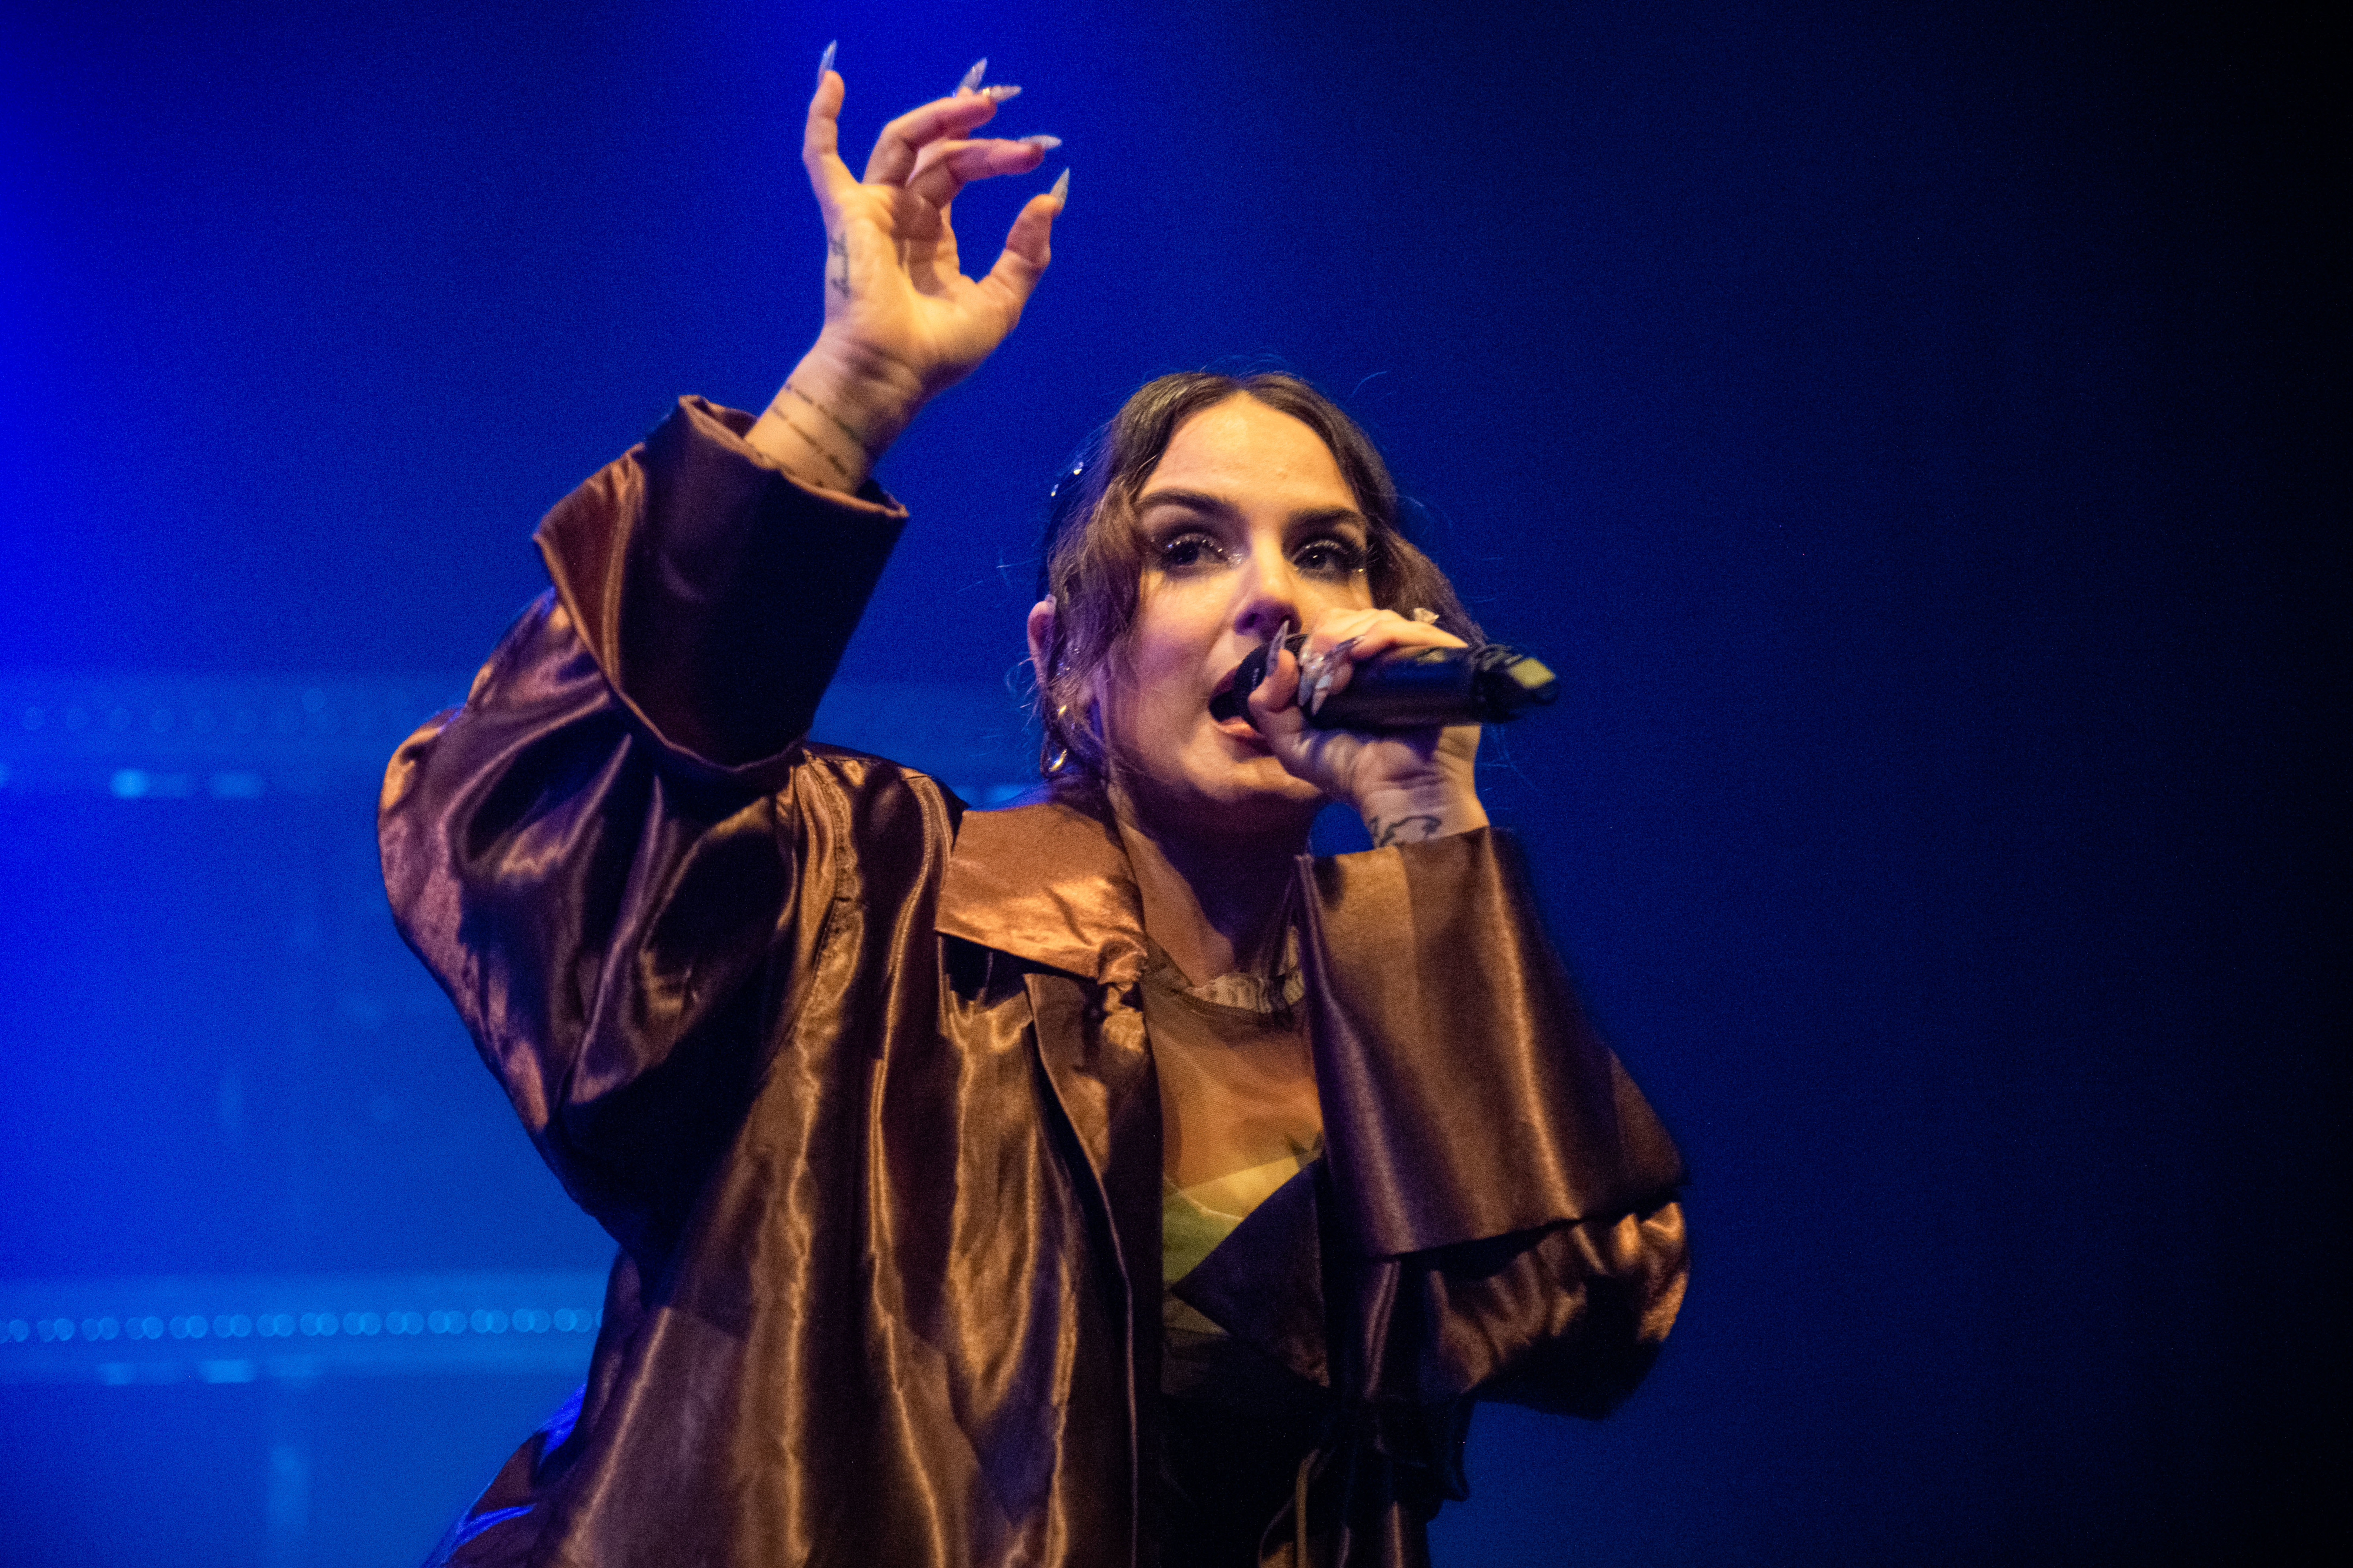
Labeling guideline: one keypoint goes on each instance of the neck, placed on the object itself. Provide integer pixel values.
(1213, 904)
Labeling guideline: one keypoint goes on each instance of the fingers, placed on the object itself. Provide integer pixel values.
(1345, 639)
(903, 139)
(1411, 631)
(1324, 671)
(944, 168)
(1371, 632)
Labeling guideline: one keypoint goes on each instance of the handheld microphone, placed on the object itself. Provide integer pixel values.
(1412, 688)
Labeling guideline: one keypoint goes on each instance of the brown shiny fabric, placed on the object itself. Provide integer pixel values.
(860, 1083)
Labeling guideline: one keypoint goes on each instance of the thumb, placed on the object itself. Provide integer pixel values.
(1275, 704)
(1028, 245)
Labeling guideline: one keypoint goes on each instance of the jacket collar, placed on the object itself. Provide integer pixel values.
(1050, 883)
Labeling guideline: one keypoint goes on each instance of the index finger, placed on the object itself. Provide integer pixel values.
(1374, 631)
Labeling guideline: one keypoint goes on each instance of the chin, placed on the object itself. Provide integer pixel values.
(1250, 799)
(1259, 800)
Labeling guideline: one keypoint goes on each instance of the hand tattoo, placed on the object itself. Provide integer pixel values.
(1402, 830)
(836, 264)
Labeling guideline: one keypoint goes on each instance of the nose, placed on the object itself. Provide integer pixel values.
(1270, 596)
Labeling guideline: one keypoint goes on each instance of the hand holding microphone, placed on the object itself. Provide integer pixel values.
(1408, 688)
(1384, 712)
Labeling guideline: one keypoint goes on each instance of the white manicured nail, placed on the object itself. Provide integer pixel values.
(1061, 191)
(971, 81)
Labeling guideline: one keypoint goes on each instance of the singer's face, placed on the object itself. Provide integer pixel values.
(1247, 523)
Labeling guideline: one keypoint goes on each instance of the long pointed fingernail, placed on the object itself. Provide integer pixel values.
(971, 81)
(1274, 647)
(1322, 689)
(824, 61)
(1046, 143)
(999, 91)
(1061, 191)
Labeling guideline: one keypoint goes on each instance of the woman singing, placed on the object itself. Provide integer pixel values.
(1094, 1182)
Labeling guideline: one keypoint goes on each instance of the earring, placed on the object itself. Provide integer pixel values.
(1054, 755)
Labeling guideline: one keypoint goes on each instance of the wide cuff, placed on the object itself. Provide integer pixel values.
(1466, 1095)
(715, 590)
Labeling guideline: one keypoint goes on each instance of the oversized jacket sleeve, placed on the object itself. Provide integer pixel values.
(600, 855)
(1496, 1214)
(1506, 1189)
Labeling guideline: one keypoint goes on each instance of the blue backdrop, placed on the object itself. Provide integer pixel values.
(1902, 424)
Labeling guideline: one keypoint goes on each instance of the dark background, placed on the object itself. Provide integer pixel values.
(1909, 426)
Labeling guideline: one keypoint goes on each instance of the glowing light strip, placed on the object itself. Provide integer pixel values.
(242, 1330)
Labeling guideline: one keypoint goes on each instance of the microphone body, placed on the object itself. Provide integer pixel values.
(1415, 688)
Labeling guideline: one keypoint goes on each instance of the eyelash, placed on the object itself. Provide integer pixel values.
(1346, 559)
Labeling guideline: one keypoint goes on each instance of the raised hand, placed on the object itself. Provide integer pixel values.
(902, 321)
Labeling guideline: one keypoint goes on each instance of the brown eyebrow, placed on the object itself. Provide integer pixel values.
(1199, 501)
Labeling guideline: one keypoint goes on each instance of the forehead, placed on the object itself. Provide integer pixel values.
(1242, 449)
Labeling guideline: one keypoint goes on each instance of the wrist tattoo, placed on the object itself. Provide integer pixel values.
(1401, 830)
(832, 418)
(814, 445)
(836, 264)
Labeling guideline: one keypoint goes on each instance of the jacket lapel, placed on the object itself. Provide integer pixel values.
(1049, 886)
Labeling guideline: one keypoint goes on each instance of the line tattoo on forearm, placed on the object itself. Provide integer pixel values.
(1402, 830)
(814, 445)
(836, 420)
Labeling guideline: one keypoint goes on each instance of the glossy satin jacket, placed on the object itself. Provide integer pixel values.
(858, 1082)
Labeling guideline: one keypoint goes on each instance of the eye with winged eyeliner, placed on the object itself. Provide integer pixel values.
(1190, 526)
(1191, 549)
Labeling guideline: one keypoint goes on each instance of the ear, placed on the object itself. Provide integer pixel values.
(1041, 636)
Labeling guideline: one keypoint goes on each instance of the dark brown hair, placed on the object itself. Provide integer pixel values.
(1092, 559)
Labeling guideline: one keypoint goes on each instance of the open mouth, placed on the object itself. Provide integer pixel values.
(1230, 701)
